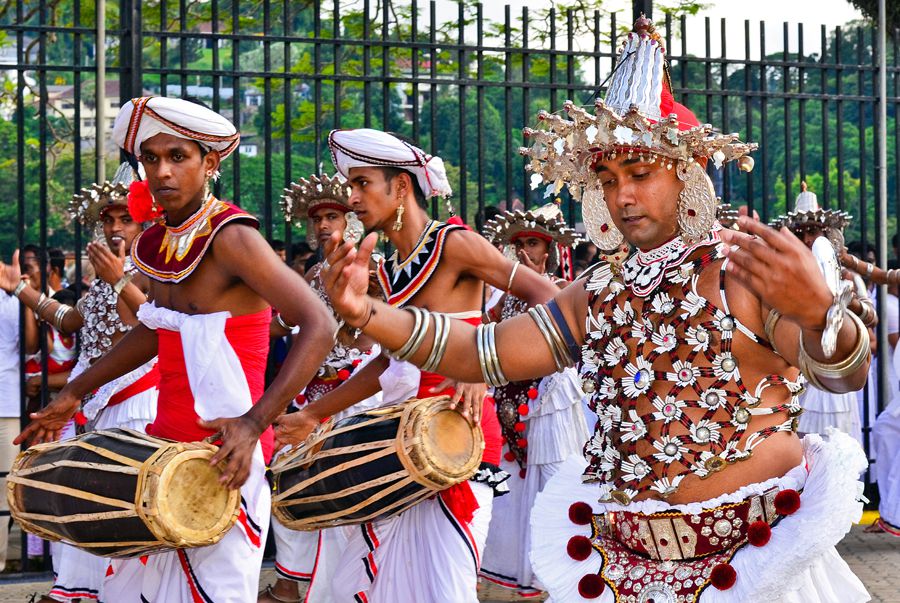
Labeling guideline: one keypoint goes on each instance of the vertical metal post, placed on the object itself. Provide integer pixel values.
(639, 7)
(881, 207)
(100, 117)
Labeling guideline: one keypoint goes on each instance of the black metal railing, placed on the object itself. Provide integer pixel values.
(461, 84)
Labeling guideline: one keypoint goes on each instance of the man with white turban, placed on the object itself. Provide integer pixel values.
(212, 280)
(431, 552)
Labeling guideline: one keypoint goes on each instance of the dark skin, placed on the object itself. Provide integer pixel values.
(770, 269)
(119, 230)
(532, 252)
(468, 261)
(240, 274)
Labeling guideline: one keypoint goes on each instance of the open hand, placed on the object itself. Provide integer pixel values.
(10, 274)
(109, 266)
(780, 270)
(294, 428)
(239, 436)
(468, 399)
(47, 423)
(347, 277)
(539, 267)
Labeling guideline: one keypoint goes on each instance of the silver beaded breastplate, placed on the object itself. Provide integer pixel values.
(101, 317)
(663, 381)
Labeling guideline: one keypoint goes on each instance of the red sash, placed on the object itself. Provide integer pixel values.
(148, 381)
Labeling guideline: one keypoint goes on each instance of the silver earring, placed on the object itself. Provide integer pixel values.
(598, 221)
(696, 202)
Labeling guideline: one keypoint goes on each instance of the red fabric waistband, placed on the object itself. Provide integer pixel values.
(148, 381)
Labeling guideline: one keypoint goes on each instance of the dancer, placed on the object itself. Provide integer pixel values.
(822, 231)
(678, 349)
(212, 277)
(322, 202)
(541, 420)
(431, 552)
(101, 319)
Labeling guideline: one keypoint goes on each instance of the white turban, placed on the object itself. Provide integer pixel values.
(145, 117)
(373, 148)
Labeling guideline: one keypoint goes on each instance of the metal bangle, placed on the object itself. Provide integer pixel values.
(558, 341)
(18, 290)
(492, 354)
(43, 303)
(769, 328)
(282, 324)
(512, 275)
(843, 368)
(538, 319)
(439, 345)
(870, 267)
(420, 329)
(60, 315)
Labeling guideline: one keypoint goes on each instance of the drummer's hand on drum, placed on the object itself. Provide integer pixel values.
(47, 423)
(292, 429)
(239, 436)
(468, 398)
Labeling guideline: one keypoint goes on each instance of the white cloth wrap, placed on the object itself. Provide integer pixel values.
(799, 564)
(100, 399)
(364, 147)
(399, 382)
(886, 445)
(556, 425)
(185, 114)
(213, 368)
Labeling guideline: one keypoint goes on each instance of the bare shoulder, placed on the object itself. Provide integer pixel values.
(471, 249)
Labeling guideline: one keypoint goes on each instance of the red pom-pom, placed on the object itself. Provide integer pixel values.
(580, 513)
(140, 202)
(300, 400)
(509, 456)
(591, 586)
(758, 533)
(357, 362)
(521, 473)
(502, 439)
(522, 443)
(519, 427)
(787, 502)
(723, 576)
(579, 548)
(343, 374)
(532, 393)
(80, 419)
(523, 410)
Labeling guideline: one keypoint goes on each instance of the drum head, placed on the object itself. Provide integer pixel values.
(193, 506)
(449, 442)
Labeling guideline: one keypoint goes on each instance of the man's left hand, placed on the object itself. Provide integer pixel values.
(239, 436)
(780, 270)
(468, 398)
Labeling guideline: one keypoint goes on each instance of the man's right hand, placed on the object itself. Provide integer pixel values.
(47, 423)
(292, 429)
(10, 274)
(347, 278)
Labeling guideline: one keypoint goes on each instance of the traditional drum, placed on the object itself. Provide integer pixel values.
(121, 493)
(375, 464)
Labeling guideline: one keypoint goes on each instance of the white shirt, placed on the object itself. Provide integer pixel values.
(9, 355)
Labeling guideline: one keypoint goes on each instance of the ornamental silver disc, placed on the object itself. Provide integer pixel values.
(657, 592)
(614, 573)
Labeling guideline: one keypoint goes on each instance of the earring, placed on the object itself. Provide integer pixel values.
(598, 221)
(398, 223)
(696, 202)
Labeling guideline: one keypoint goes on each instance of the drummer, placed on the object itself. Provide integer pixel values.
(430, 553)
(212, 278)
(322, 202)
(107, 312)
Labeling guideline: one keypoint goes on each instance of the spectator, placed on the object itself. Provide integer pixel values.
(279, 249)
(301, 254)
(9, 401)
(56, 269)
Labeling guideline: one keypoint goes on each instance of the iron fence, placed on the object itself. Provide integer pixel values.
(458, 82)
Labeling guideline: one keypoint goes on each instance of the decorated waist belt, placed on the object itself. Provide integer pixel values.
(673, 556)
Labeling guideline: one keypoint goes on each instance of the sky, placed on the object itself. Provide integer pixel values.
(812, 13)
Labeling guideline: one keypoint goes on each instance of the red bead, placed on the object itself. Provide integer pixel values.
(522, 443)
(579, 548)
(787, 502)
(604, 227)
(519, 427)
(532, 393)
(343, 374)
(523, 410)
(758, 533)
(521, 474)
(510, 456)
(357, 362)
(692, 212)
(591, 586)
(723, 576)
(580, 513)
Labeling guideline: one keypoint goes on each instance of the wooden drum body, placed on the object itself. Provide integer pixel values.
(375, 464)
(121, 493)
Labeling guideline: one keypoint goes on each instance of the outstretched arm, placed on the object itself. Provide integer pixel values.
(522, 351)
(137, 347)
(245, 254)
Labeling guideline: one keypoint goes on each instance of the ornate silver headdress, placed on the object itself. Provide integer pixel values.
(808, 215)
(87, 205)
(640, 118)
(546, 221)
(303, 197)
